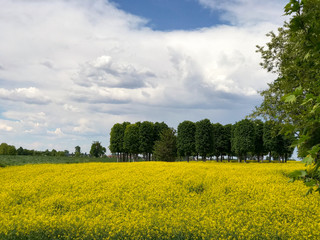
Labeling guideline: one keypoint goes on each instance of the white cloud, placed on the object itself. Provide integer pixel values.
(5, 127)
(248, 12)
(56, 132)
(27, 95)
(81, 66)
(103, 71)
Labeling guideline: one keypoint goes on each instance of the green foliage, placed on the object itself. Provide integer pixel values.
(6, 149)
(116, 137)
(259, 149)
(166, 148)
(97, 150)
(227, 133)
(158, 128)
(294, 54)
(146, 137)
(131, 139)
(243, 140)
(77, 151)
(220, 140)
(203, 138)
(186, 138)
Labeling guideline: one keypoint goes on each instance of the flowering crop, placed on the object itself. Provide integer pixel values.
(155, 200)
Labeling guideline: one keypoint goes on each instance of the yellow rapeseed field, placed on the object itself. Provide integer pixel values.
(155, 200)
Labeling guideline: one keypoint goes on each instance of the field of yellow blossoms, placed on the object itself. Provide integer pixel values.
(155, 200)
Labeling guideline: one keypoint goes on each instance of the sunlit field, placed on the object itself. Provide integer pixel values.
(155, 200)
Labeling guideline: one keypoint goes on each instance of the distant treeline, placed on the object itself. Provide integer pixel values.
(6, 149)
(246, 139)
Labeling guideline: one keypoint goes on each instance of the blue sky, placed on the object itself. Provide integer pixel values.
(70, 70)
(168, 15)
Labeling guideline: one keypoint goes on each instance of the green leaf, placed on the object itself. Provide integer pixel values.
(315, 107)
(298, 174)
(307, 56)
(311, 183)
(315, 149)
(298, 91)
(306, 101)
(290, 99)
(308, 160)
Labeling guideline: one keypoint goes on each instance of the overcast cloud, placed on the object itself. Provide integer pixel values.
(71, 69)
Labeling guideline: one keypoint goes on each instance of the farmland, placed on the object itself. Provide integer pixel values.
(156, 200)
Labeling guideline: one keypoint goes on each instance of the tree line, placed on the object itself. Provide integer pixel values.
(6, 149)
(96, 150)
(246, 139)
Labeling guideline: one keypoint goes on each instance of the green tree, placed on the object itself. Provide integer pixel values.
(220, 141)
(6, 149)
(97, 150)
(283, 146)
(116, 139)
(53, 153)
(259, 149)
(203, 138)
(77, 151)
(243, 138)
(131, 140)
(158, 128)
(165, 149)
(186, 138)
(146, 132)
(293, 97)
(20, 151)
(269, 141)
(227, 133)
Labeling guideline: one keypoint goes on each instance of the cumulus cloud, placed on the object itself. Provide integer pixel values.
(103, 71)
(57, 132)
(27, 95)
(81, 66)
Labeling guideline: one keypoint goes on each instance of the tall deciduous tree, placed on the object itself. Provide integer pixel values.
(131, 140)
(77, 151)
(220, 141)
(165, 149)
(227, 133)
(116, 139)
(97, 150)
(269, 140)
(203, 138)
(186, 138)
(146, 132)
(294, 54)
(259, 149)
(243, 138)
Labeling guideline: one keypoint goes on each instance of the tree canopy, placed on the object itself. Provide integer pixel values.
(165, 149)
(97, 150)
(292, 99)
(186, 138)
(203, 138)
